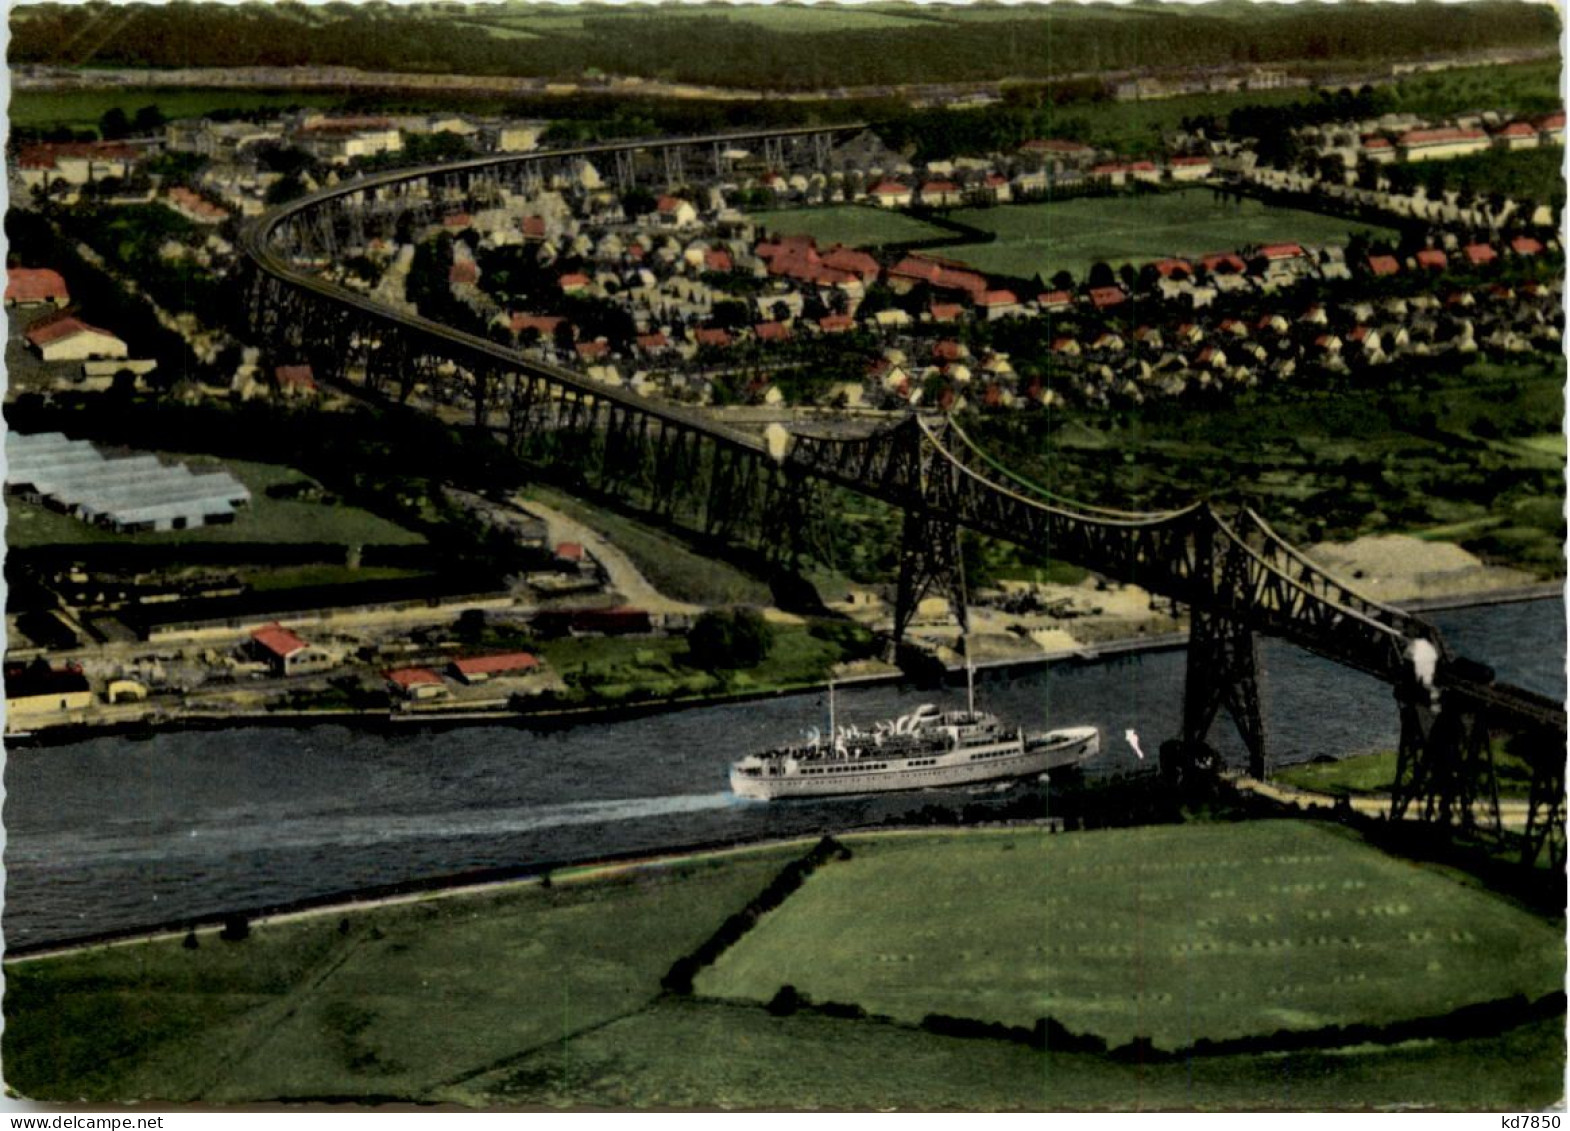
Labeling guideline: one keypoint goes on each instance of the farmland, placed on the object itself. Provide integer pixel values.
(850, 224)
(550, 994)
(1172, 933)
(1071, 235)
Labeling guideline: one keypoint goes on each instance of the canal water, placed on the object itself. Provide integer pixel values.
(114, 834)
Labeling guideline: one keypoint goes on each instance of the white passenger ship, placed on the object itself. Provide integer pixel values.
(926, 749)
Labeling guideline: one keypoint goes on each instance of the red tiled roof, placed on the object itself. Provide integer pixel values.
(534, 226)
(1554, 121)
(849, 259)
(278, 640)
(1443, 136)
(1224, 259)
(889, 188)
(45, 155)
(946, 311)
(710, 337)
(569, 282)
(938, 186)
(1189, 162)
(490, 665)
(1526, 245)
(1432, 257)
(407, 678)
(947, 350)
(1518, 129)
(457, 220)
(772, 332)
(546, 324)
(1103, 297)
(1056, 298)
(1281, 251)
(836, 323)
(997, 298)
(34, 284)
(1384, 265)
(294, 377)
(717, 259)
(57, 329)
(669, 204)
(1166, 268)
(652, 342)
(570, 551)
(464, 271)
(1376, 143)
(591, 350)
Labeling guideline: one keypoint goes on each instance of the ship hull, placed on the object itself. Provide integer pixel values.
(1001, 762)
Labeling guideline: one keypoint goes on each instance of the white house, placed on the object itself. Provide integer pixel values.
(69, 339)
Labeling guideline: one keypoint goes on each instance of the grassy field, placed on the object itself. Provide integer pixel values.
(1468, 457)
(1071, 235)
(1375, 774)
(854, 225)
(1175, 933)
(404, 1000)
(703, 1055)
(265, 520)
(81, 109)
(612, 671)
(550, 995)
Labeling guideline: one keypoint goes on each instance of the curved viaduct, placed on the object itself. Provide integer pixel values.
(1237, 576)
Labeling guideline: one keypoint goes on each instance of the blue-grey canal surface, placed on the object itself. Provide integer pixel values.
(112, 834)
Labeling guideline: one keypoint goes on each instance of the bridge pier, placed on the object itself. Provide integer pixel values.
(929, 562)
(1223, 670)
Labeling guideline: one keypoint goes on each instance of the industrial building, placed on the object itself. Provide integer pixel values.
(130, 494)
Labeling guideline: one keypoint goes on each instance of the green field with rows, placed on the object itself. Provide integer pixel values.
(1174, 933)
(1071, 235)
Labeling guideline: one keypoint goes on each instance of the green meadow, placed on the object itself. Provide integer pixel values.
(1170, 932)
(1071, 235)
(550, 994)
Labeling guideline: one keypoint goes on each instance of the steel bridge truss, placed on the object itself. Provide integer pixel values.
(1238, 577)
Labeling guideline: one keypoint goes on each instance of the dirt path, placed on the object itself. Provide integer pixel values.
(1512, 813)
(624, 577)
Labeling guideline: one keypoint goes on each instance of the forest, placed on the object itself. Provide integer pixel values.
(716, 46)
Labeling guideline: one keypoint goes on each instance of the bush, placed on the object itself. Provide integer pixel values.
(236, 928)
(738, 638)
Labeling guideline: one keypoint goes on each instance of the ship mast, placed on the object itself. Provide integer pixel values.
(833, 734)
(970, 681)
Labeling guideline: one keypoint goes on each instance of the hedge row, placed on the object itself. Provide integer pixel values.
(678, 979)
(1483, 1019)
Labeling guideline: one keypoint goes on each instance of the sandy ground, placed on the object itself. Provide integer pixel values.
(1512, 813)
(1397, 567)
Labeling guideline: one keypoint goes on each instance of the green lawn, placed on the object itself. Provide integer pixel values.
(1375, 774)
(1175, 933)
(1071, 235)
(855, 225)
(405, 999)
(706, 1055)
(613, 669)
(265, 520)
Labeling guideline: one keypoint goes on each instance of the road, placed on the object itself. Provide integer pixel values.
(624, 577)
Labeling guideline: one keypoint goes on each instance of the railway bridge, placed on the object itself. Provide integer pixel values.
(1239, 579)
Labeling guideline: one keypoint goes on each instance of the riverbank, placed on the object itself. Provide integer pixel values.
(864, 673)
(354, 1002)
